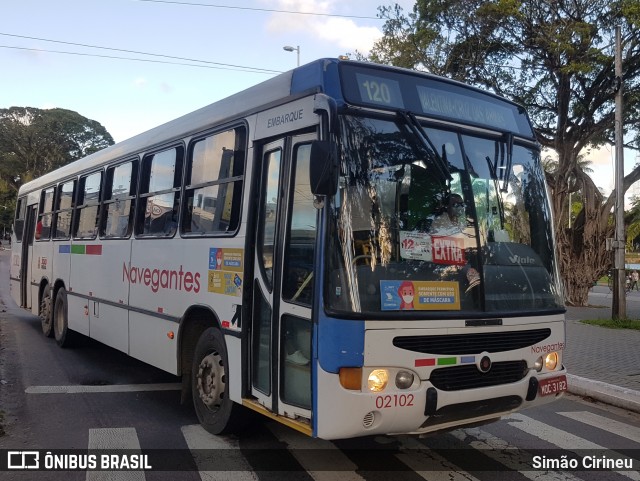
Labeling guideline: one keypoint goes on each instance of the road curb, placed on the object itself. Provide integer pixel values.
(607, 393)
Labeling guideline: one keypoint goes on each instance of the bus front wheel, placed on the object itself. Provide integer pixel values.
(216, 412)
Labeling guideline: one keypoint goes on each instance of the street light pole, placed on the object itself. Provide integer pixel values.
(619, 304)
(296, 49)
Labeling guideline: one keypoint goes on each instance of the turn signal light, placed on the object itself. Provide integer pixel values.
(351, 378)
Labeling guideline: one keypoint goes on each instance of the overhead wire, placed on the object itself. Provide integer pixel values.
(218, 67)
(182, 60)
(194, 4)
(207, 63)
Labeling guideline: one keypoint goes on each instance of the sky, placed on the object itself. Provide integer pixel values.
(202, 51)
(129, 97)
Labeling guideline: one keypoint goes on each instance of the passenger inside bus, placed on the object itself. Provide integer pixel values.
(451, 217)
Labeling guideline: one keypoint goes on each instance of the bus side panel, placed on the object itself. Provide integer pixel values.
(61, 263)
(84, 280)
(159, 287)
(108, 313)
(150, 341)
(41, 268)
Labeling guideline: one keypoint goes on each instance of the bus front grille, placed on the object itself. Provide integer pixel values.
(472, 343)
(457, 378)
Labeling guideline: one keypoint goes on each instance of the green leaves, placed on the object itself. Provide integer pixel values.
(36, 141)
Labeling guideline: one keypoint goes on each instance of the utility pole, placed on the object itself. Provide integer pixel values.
(619, 304)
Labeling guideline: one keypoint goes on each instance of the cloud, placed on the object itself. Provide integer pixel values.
(345, 33)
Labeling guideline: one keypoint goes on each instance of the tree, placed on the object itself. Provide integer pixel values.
(557, 59)
(36, 141)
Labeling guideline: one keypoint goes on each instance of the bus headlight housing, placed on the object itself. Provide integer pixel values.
(378, 379)
(549, 361)
(404, 379)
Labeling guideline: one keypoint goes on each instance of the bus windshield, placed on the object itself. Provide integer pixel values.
(438, 220)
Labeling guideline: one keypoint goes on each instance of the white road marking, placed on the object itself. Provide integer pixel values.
(417, 455)
(114, 438)
(204, 447)
(502, 451)
(301, 447)
(563, 439)
(616, 427)
(98, 389)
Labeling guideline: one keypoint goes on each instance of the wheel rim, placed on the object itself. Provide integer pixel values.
(211, 381)
(45, 309)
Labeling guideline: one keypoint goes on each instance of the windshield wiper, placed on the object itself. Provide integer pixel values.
(507, 173)
(441, 166)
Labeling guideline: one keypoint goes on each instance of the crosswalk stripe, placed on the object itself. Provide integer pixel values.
(301, 447)
(498, 450)
(561, 439)
(114, 438)
(610, 425)
(418, 455)
(204, 447)
(77, 389)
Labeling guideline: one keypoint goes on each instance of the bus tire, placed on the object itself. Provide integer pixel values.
(216, 412)
(64, 336)
(46, 312)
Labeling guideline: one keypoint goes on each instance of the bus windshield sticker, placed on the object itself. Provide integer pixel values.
(419, 295)
(448, 250)
(415, 245)
(420, 246)
(225, 271)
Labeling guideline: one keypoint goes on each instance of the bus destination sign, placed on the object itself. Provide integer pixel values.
(433, 97)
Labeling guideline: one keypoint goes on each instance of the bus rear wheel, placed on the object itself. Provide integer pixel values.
(46, 318)
(216, 412)
(64, 336)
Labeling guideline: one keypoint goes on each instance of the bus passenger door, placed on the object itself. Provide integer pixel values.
(27, 251)
(283, 280)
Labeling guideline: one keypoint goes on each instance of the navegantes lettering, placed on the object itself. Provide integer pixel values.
(156, 279)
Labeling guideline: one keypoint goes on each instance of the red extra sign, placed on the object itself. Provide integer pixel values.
(448, 250)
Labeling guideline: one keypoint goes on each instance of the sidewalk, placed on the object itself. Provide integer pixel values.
(604, 364)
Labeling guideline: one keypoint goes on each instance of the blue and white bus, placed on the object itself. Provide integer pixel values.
(348, 248)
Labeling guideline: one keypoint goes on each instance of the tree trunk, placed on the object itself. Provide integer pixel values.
(582, 254)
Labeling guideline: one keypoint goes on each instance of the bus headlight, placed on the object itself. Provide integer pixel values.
(378, 379)
(538, 364)
(551, 361)
(404, 379)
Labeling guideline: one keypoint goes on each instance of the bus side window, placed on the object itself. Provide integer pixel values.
(45, 216)
(118, 206)
(21, 214)
(64, 210)
(86, 224)
(214, 183)
(160, 193)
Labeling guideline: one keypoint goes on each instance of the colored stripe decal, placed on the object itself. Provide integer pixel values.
(447, 361)
(467, 360)
(89, 249)
(94, 250)
(425, 362)
(77, 249)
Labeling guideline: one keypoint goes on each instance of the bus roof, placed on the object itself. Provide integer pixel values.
(317, 76)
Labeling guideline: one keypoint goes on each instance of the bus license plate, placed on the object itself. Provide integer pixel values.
(555, 385)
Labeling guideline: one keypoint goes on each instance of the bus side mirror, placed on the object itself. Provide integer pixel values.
(323, 168)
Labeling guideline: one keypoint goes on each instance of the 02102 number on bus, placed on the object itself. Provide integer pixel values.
(394, 401)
